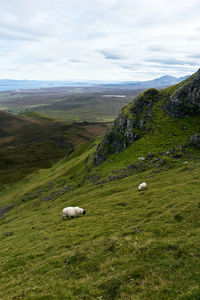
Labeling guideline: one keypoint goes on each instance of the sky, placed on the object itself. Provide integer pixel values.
(108, 40)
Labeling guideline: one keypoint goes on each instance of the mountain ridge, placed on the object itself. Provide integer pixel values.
(136, 119)
(11, 84)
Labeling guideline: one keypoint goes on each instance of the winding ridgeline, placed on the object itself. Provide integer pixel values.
(137, 118)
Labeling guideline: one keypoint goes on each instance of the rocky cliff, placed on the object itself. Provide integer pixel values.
(185, 100)
(136, 119)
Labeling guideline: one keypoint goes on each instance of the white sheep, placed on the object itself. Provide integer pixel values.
(142, 186)
(73, 212)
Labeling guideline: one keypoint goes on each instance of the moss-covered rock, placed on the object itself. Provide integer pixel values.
(133, 122)
(185, 100)
(195, 140)
(137, 118)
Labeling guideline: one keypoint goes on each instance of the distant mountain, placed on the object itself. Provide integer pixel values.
(9, 84)
(160, 82)
(164, 81)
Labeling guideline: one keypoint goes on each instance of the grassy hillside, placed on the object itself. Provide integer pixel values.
(27, 145)
(130, 244)
(33, 115)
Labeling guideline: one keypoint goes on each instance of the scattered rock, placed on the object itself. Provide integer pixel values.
(149, 155)
(3, 210)
(132, 166)
(8, 234)
(195, 140)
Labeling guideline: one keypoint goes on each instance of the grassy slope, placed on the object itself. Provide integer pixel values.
(27, 145)
(130, 245)
(32, 115)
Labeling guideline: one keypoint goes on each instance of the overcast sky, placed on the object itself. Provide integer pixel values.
(98, 39)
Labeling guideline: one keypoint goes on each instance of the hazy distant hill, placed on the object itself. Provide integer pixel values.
(163, 81)
(9, 84)
(160, 82)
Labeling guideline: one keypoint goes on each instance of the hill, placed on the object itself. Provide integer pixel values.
(130, 244)
(10, 84)
(139, 117)
(38, 142)
(9, 124)
(161, 82)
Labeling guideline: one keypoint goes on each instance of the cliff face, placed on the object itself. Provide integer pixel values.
(134, 121)
(185, 100)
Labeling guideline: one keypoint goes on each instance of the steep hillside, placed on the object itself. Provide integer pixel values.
(138, 118)
(130, 244)
(9, 124)
(185, 99)
(26, 145)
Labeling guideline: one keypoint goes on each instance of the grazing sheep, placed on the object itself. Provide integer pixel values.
(141, 158)
(73, 212)
(142, 186)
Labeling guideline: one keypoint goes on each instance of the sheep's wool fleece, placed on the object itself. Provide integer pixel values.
(79, 210)
(72, 211)
(142, 186)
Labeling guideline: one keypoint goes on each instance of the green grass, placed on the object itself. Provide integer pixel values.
(28, 146)
(130, 244)
(166, 133)
(33, 115)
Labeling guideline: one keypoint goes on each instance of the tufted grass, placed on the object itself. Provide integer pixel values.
(129, 245)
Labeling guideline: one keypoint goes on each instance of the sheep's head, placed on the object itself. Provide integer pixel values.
(84, 212)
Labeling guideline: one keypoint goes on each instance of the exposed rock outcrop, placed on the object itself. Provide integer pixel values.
(137, 118)
(185, 101)
(134, 121)
(195, 140)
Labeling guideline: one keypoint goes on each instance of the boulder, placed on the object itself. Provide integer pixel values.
(195, 140)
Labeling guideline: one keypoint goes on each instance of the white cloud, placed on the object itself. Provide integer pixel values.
(101, 39)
